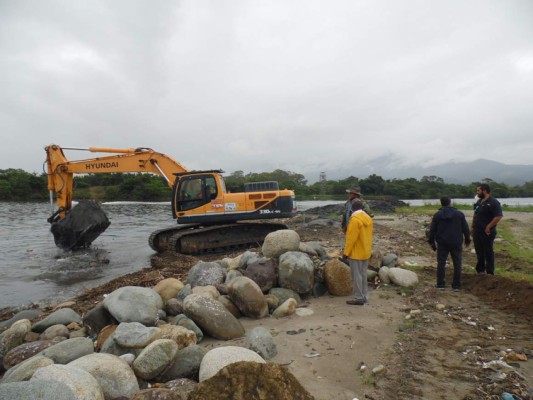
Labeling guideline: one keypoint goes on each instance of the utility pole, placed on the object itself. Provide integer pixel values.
(323, 183)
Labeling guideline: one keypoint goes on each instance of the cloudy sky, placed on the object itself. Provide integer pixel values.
(301, 85)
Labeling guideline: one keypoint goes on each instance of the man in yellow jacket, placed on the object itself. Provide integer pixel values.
(358, 250)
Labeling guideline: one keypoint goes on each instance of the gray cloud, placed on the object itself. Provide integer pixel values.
(300, 85)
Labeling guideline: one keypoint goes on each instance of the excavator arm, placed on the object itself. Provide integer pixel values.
(60, 170)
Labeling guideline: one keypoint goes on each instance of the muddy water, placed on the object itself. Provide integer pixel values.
(34, 270)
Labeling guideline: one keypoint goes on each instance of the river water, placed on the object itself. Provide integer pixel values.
(34, 270)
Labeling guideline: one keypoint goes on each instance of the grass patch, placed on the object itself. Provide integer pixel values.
(516, 253)
(368, 379)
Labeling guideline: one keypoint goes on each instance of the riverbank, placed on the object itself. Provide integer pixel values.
(431, 344)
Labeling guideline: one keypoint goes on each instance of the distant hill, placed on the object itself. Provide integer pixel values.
(452, 172)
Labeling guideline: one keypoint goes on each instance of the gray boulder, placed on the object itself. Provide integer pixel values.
(42, 390)
(69, 350)
(186, 364)
(134, 335)
(113, 374)
(263, 272)
(384, 274)
(63, 316)
(25, 370)
(403, 277)
(212, 317)
(82, 383)
(155, 358)
(206, 273)
(279, 242)
(186, 322)
(296, 272)
(218, 358)
(24, 314)
(283, 294)
(260, 340)
(134, 304)
(389, 260)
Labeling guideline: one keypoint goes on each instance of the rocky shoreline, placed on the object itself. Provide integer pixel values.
(144, 342)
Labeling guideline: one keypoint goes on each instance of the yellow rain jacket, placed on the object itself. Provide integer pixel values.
(359, 236)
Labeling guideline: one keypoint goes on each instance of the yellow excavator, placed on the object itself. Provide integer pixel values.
(209, 218)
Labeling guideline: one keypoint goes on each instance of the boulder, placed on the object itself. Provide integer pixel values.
(42, 390)
(26, 350)
(14, 336)
(155, 358)
(263, 272)
(248, 297)
(403, 277)
(113, 374)
(134, 335)
(338, 278)
(69, 350)
(285, 309)
(82, 383)
(296, 272)
(134, 304)
(241, 377)
(260, 340)
(384, 274)
(64, 316)
(168, 288)
(24, 314)
(186, 364)
(212, 317)
(25, 370)
(218, 358)
(279, 242)
(283, 294)
(206, 273)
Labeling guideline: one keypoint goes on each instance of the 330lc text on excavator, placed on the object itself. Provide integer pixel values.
(209, 218)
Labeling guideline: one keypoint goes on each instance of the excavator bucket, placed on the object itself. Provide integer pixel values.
(81, 226)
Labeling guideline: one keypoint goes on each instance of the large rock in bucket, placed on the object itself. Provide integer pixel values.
(81, 226)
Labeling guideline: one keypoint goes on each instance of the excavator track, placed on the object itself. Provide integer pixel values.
(196, 239)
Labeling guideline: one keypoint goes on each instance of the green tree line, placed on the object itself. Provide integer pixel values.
(18, 185)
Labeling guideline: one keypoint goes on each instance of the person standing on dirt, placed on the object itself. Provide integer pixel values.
(353, 193)
(448, 228)
(358, 250)
(487, 214)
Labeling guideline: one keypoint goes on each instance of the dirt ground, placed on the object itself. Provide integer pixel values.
(431, 344)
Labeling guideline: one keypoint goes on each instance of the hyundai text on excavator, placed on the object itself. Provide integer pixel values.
(209, 218)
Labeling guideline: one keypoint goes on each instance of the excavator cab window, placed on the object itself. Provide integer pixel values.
(196, 191)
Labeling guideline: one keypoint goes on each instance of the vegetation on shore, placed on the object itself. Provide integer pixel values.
(18, 185)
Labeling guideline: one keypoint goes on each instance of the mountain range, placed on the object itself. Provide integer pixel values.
(451, 172)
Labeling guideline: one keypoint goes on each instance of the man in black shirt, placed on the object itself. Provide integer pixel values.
(448, 228)
(487, 214)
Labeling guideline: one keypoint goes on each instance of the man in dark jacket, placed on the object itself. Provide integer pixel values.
(448, 227)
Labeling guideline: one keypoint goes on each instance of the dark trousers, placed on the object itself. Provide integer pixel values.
(457, 259)
(484, 245)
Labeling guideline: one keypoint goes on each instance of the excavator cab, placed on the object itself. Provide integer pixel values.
(192, 191)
